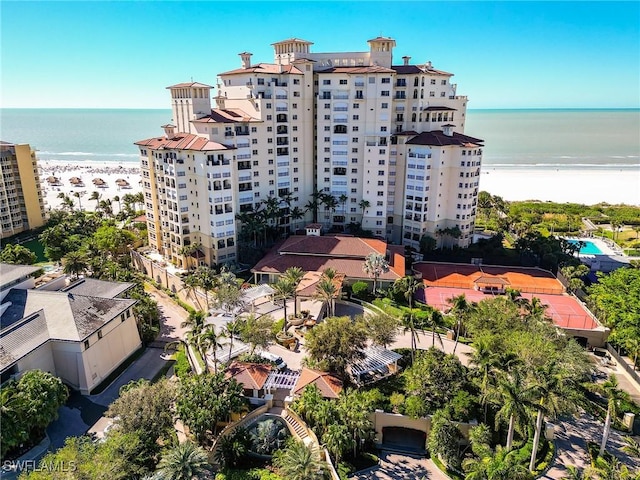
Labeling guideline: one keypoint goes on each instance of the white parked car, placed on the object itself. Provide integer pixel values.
(280, 363)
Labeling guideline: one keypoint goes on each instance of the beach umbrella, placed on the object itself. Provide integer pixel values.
(75, 180)
(98, 181)
(52, 180)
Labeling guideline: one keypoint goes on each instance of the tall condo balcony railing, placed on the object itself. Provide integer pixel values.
(281, 97)
(281, 109)
(341, 96)
(340, 109)
(359, 84)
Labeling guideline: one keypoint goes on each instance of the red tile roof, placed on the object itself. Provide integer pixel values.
(181, 141)
(251, 376)
(266, 68)
(190, 84)
(457, 275)
(334, 245)
(344, 254)
(329, 386)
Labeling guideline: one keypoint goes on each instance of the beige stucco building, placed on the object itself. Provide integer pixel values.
(21, 201)
(80, 331)
(385, 140)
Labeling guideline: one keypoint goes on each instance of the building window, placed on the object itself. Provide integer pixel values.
(343, 82)
(326, 82)
(86, 344)
(384, 93)
(386, 80)
(99, 334)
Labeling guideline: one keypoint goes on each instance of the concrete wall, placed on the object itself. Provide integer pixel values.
(382, 420)
(39, 359)
(119, 340)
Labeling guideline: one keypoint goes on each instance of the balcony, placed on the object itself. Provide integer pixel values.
(281, 97)
(359, 96)
(244, 131)
(359, 84)
(340, 109)
(325, 96)
(281, 109)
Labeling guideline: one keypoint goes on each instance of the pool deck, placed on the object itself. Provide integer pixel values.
(607, 247)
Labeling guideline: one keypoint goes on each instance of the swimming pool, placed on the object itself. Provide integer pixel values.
(589, 248)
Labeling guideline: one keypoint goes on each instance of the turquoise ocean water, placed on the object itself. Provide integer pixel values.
(567, 139)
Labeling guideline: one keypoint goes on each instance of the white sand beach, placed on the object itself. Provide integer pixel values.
(88, 172)
(588, 186)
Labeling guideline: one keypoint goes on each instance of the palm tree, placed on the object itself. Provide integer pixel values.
(299, 462)
(553, 388)
(364, 204)
(190, 284)
(75, 263)
(296, 213)
(409, 326)
(434, 320)
(95, 196)
(207, 280)
(614, 397)
(185, 461)
(283, 289)
(337, 440)
(514, 397)
(460, 308)
(408, 286)
(375, 265)
(294, 274)
(327, 292)
(486, 361)
(195, 321)
(231, 330)
(79, 195)
(631, 447)
(313, 204)
(209, 339)
(268, 437)
(330, 204)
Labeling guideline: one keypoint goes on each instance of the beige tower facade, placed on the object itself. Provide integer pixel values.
(21, 202)
(386, 141)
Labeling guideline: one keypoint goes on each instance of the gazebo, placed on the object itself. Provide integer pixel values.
(377, 363)
(491, 284)
(250, 295)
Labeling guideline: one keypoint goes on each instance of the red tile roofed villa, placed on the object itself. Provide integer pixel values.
(343, 253)
(252, 376)
(329, 386)
(479, 282)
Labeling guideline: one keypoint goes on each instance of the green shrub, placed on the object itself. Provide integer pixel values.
(360, 289)
(182, 367)
(277, 326)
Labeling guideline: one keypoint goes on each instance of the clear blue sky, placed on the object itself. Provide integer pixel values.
(503, 54)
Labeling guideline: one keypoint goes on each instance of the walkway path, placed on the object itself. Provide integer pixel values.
(395, 466)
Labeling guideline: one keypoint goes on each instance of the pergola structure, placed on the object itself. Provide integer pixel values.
(377, 363)
(250, 295)
(281, 380)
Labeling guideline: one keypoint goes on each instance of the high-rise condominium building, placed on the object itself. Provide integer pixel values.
(385, 141)
(21, 201)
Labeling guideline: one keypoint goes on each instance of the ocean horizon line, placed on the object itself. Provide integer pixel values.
(482, 109)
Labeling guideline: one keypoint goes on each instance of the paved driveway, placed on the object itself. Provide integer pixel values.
(572, 435)
(395, 466)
